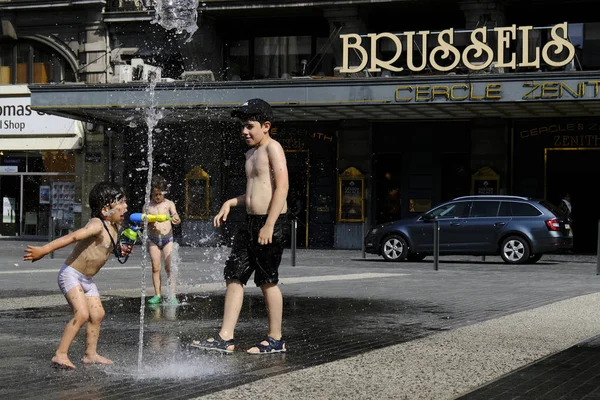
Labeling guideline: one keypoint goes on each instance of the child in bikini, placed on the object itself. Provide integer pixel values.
(160, 238)
(94, 244)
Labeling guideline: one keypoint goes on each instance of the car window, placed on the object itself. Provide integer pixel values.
(505, 209)
(524, 210)
(484, 209)
(452, 210)
(553, 209)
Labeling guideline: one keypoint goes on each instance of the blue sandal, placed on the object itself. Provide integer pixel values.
(215, 344)
(273, 346)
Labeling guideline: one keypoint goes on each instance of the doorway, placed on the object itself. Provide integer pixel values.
(298, 195)
(10, 194)
(574, 171)
(388, 184)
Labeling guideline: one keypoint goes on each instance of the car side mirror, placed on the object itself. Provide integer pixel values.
(428, 217)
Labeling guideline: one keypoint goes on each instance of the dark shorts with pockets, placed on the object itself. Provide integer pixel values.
(248, 257)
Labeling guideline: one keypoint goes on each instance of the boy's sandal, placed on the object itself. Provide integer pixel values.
(155, 300)
(215, 344)
(273, 346)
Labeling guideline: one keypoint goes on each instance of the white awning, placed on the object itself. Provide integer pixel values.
(22, 128)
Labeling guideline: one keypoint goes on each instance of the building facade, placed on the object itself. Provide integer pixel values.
(384, 109)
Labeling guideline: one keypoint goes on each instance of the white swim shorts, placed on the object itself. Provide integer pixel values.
(69, 277)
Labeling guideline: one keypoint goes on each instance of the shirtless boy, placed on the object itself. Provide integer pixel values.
(94, 243)
(160, 237)
(257, 248)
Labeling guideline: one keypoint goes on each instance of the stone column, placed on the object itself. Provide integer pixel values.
(344, 20)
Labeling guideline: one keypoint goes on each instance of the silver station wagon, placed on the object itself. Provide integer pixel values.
(519, 229)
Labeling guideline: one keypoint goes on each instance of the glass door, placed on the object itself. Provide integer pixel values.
(10, 195)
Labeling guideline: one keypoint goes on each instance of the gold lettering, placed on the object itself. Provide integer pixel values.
(550, 90)
(570, 90)
(557, 141)
(560, 42)
(442, 91)
(356, 46)
(543, 129)
(524, 134)
(462, 86)
(400, 88)
(409, 51)
(594, 85)
(422, 93)
(479, 47)
(493, 91)
(529, 95)
(445, 39)
(504, 43)
(472, 96)
(375, 62)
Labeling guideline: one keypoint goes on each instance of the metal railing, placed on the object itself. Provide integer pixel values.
(129, 5)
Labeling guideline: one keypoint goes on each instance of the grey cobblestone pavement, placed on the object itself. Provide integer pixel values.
(356, 328)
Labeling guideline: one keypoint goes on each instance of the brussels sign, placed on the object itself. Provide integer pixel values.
(478, 55)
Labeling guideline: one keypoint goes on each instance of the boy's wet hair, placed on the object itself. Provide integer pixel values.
(104, 194)
(160, 183)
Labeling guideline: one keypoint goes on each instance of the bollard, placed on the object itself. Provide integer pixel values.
(598, 251)
(51, 233)
(436, 244)
(293, 240)
(364, 250)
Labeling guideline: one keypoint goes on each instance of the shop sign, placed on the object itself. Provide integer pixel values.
(17, 118)
(9, 168)
(351, 194)
(478, 55)
(498, 91)
(562, 134)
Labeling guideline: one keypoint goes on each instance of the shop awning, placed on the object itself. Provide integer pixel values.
(22, 128)
(441, 97)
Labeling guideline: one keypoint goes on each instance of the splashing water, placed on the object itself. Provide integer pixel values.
(171, 281)
(152, 116)
(180, 15)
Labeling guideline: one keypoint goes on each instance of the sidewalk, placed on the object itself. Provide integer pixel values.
(356, 328)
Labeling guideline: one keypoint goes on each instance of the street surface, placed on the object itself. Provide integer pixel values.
(356, 328)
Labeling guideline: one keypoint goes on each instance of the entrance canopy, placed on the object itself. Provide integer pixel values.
(515, 95)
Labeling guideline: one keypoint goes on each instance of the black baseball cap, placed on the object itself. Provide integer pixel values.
(253, 107)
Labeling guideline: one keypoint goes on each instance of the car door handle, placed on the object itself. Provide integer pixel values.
(454, 223)
(497, 224)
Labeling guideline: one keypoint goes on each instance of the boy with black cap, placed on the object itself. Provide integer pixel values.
(258, 247)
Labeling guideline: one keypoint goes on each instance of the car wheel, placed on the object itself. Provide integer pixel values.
(394, 248)
(534, 258)
(515, 250)
(415, 257)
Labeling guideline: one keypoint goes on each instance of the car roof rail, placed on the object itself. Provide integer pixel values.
(493, 197)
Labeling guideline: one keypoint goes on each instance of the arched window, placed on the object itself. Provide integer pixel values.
(25, 61)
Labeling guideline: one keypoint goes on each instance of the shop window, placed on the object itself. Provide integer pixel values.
(55, 161)
(6, 62)
(33, 63)
(276, 57)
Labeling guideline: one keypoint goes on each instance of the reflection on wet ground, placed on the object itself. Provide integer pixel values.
(317, 330)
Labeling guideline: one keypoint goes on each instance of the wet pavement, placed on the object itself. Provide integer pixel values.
(346, 327)
(356, 328)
